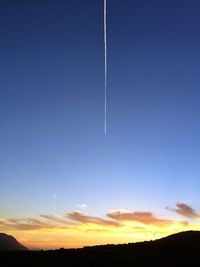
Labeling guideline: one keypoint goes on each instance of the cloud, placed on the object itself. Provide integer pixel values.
(42, 222)
(185, 210)
(56, 219)
(116, 220)
(147, 218)
(24, 224)
(85, 219)
(82, 206)
(73, 219)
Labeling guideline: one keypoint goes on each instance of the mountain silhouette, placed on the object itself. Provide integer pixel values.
(9, 243)
(180, 249)
(181, 239)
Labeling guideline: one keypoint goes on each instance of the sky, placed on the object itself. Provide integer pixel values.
(64, 183)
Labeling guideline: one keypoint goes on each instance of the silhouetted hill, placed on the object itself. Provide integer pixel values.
(9, 243)
(182, 238)
(180, 249)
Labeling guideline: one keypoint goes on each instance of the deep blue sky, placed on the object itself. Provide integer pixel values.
(52, 102)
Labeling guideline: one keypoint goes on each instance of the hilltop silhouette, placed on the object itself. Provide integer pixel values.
(180, 249)
(9, 243)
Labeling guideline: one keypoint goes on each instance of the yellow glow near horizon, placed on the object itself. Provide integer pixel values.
(91, 234)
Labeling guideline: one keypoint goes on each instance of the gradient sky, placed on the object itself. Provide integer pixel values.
(54, 155)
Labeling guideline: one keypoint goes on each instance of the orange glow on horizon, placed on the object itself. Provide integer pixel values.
(77, 229)
(91, 234)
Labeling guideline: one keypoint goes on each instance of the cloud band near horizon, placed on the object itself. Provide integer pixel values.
(113, 219)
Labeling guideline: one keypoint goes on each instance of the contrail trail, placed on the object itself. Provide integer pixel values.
(105, 58)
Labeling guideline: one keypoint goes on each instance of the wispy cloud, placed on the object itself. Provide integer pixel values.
(185, 210)
(147, 218)
(56, 219)
(24, 224)
(82, 206)
(86, 219)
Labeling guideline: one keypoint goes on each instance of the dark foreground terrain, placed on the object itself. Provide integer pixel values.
(181, 249)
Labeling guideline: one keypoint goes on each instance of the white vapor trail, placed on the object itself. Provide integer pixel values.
(105, 54)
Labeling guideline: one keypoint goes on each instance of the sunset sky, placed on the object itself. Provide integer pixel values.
(63, 182)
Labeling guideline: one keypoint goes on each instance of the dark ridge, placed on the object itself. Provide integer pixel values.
(181, 238)
(9, 243)
(180, 249)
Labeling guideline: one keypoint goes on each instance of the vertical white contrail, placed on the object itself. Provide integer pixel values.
(105, 53)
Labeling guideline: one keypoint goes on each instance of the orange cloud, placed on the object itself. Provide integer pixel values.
(56, 219)
(147, 218)
(85, 219)
(185, 210)
(24, 224)
(47, 222)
